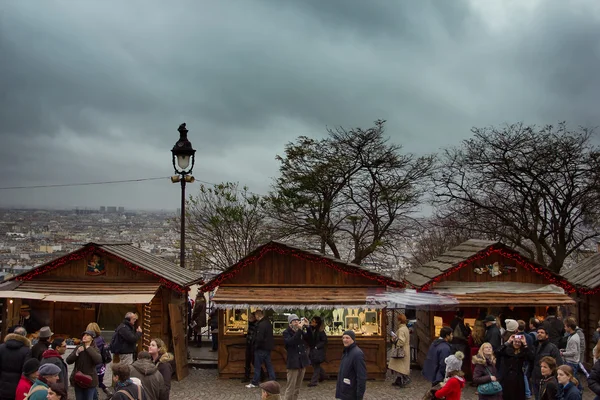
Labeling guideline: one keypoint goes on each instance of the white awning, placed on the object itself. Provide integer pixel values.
(17, 294)
(409, 298)
(102, 298)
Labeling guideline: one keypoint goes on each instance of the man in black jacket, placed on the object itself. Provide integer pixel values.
(263, 344)
(250, 347)
(492, 333)
(352, 376)
(15, 350)
(124, 341)
(594, 379)
(554, 327)
(544, 348)
(297, 358)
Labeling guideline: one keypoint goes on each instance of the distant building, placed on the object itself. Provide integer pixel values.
(102, 209)
(111, 209)
(121, 209)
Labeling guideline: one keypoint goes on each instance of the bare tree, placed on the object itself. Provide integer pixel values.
(225, 223)
(352, 190)
(537, 189)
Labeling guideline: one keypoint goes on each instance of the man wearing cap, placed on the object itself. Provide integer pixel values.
(297, 358)
(30, 374)
(270, 390)
(14, 352)
(263, 345)
(28, 321)
(47, 374)
(352, 376)
(492, 333)
(43, 343)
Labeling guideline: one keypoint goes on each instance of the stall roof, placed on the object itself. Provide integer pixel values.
(131, 256)
(469, 251)
(585, 274)
(289, 249)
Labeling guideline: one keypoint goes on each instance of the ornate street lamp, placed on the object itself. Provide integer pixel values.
(183, 156)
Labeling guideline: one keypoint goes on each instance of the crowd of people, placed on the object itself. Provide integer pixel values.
(516, 361)
(40, 371)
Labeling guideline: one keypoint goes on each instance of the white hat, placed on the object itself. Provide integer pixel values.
(511, 325)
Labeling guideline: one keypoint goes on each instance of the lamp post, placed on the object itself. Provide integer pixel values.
(183, 156)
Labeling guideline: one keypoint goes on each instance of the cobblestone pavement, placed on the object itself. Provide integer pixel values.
(204, 384)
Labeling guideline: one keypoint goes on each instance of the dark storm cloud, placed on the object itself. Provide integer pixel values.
(95, 90)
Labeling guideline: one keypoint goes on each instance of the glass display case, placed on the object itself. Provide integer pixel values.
(363, 321)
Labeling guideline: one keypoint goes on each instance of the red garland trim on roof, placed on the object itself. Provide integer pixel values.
(520, 260)
(583, 290)
(87, 251)
(348, 270)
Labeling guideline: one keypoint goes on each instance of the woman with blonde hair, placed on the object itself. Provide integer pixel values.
(100, 368)
(162, 359)
(567, 384)
(401, 366)
(485, 370)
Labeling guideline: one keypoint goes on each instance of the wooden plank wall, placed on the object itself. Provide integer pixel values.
(424, 326)
(115, 272)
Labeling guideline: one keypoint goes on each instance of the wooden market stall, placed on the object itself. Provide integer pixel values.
(485, 277)
(282, 279)
(100, 283)
(586, 276)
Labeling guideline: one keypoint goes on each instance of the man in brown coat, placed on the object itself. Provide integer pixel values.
(152, 380)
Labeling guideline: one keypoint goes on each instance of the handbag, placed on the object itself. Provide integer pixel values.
(397, 352)
(82, 380)
(489, 388)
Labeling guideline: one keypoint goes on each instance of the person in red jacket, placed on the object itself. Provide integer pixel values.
(452, 389)
(30, 374)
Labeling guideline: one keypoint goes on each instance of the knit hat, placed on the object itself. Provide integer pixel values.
(351, 334)
(31, 366)
(490, 318)
(271, 387)
(454, 362)
(45, 332)
(511, 325)
(292, 317)
(48, 370)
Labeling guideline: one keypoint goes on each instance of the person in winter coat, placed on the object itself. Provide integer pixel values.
(199, 317)
(317, 341)
(100, 368)
(512, 356)
(152, 380)
(582, 346)
(452, 389)
(401, 366)
(543, 349)
(352, 375)
(47, 375)
(553, 326)
(15, 350)
(124, 341)
(263, 345)
(123, 383)
(30, 374)
(434, 368)
(485, 370)
(270, 390)
(85, 357)
(594, 380)
(567, 384)
(54, 355)
(548, 383)
(249, 356)
(297, 358)
(492, 332)
(43, 343)
(163, 360)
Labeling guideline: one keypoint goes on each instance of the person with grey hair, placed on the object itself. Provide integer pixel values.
(124, 340)
(14, 352)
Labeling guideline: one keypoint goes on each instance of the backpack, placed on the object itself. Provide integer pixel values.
(105, 353)
(115, 343)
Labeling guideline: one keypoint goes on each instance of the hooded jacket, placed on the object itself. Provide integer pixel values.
(15, 350)
(165, 367)
(579, 332)
(151, 378)
(452, 389)
(53, 357)
(434, 368)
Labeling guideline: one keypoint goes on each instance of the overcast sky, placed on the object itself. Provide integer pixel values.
(95, 90)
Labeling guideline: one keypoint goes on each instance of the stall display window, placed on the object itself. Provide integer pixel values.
(363, 321)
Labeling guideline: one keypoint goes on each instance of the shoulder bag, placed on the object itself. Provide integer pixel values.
(126, 393)
(489, 388)
(397, 351)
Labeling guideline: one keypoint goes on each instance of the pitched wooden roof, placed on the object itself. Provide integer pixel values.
(286, 248)
(450, 259)
(127, 254)
(585, 274)
(469, 251)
